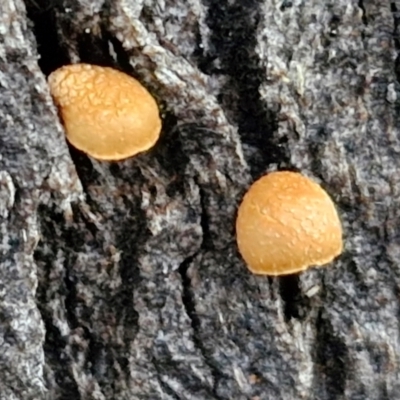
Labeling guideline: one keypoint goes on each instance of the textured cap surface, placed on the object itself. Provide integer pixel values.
(286, 223)
(106, 113)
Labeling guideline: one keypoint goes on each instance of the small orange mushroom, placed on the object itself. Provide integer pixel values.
(106, 113)
(287, 223)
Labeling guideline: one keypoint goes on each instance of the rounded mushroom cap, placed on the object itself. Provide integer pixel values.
(286, 223)
(106, 113)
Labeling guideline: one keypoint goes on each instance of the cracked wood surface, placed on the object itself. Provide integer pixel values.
(122, 280)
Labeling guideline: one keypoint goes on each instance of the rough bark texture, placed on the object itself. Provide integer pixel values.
(123, 280)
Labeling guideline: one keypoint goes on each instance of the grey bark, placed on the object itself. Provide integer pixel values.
(123, 280)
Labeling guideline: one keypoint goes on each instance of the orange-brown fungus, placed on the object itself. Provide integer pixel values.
(106, 113)
(287, 223)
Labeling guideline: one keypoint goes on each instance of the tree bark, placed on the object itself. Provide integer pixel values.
(123, 280)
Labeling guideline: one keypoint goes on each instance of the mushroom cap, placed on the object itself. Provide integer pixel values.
(106, 113)
(287, 223)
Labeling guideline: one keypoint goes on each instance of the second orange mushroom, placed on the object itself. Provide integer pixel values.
(287, 223)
